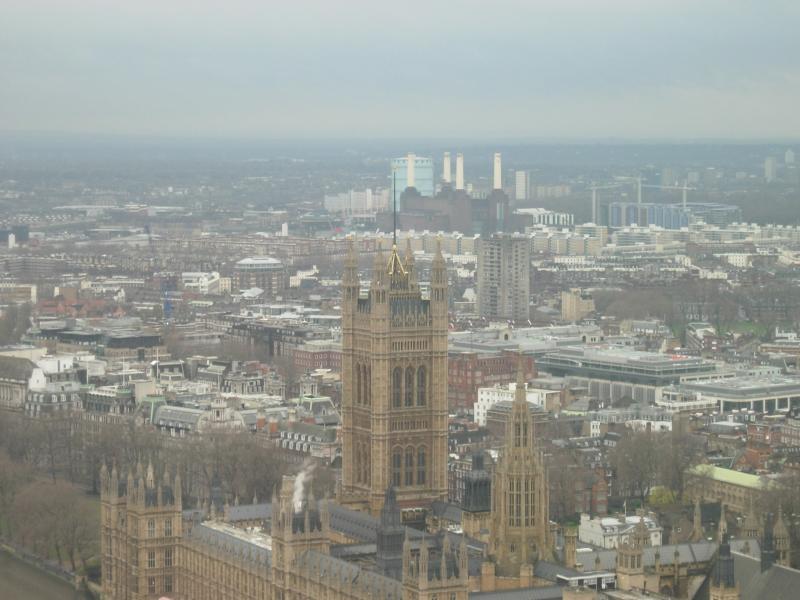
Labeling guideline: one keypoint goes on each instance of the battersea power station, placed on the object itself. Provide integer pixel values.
(389, 532)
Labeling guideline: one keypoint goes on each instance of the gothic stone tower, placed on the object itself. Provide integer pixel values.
(394, 380)
(521, 527)
(297, 526)
(140, 533)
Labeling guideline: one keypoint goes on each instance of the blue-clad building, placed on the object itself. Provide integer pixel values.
(413, 171)
(671, 216)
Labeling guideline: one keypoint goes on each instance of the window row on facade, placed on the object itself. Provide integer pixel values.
(409, 466)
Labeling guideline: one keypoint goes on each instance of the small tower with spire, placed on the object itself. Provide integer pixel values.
(723, 584)
(476, 508)
(299, 523)
(391, 533)
(782, 540)
(433, 568)
(630, 557)
(698, 534)
(520, 533)
(140, 514)
(751, 528)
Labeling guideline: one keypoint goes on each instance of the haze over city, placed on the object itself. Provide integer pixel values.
(360, 69)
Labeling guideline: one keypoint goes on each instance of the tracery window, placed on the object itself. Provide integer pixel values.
(409, 386)
(422, 390)
(397, 386)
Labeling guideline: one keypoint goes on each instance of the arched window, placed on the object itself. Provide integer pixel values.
(397, 465)
(368, 385)
(397, 386)
(357, 460)
(422, 389)
(409, 478)
(358, 384)
(409, 386)
(421, 466)
(364, 384)
(365, 462)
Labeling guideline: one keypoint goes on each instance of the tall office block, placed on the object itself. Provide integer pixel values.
(770, 169)
(504, 277)
(521, 185)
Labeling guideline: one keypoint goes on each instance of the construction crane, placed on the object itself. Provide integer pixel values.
(624, 180)
(684, 188)
(609, 186)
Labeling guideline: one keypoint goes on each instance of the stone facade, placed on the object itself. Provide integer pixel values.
(394, 384)
(520, 532)
(151, 548)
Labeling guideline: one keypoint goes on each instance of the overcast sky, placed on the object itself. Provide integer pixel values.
(403, 68)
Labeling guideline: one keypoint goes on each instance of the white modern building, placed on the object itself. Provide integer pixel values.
(489, 396)
(610, 532)
(760, 393)
(358, 201)
(675, 399)
(521, 185)
(770, 169)
(202, 283)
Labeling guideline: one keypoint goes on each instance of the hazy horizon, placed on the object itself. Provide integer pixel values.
(509, 70)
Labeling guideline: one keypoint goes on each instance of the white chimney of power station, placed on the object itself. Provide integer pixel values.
(459, 171)
(497, 179)
(446, 168)
(410, 169)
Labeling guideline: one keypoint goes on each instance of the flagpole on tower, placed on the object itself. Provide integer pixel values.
(394, 207)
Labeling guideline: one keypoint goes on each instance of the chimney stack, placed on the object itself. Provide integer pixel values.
(446, 174)
(459, 171)
(410, 170)
(497, 179)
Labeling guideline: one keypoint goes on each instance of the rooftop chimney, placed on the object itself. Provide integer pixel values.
(459, 171)
(410, 170)
(446, 174)
(497, 179)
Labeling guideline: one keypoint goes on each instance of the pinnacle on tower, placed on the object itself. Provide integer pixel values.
(520, 392)
(409, 259)
(697, 525)
(722, 576)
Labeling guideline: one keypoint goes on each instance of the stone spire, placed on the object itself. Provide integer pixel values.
(722, 574)
(443, 558)
(697, 524)
(722, 529)
(751, 528)
(378, 264)
(410, 264)
(780, 533)
(767, 545)
(423, 559)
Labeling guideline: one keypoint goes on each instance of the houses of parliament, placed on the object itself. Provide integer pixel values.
(359, 545)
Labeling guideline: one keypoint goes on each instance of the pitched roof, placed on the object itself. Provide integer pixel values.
(226, 538)
(776, 583)
(729, 476)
